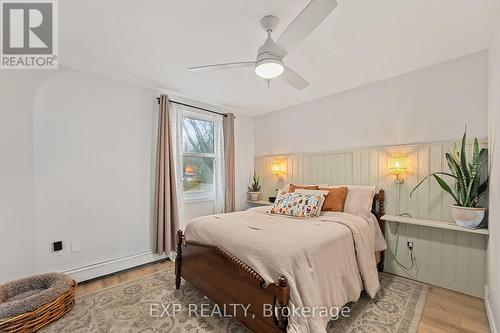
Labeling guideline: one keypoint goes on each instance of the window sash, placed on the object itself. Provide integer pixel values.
(199, 195)
(208, 155)
(201, 117)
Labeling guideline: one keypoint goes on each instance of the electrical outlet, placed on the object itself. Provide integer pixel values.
(75, 246)
(57, 248)
(409, 245)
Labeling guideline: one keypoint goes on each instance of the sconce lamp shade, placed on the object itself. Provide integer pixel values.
(398, 165)
(276, 168)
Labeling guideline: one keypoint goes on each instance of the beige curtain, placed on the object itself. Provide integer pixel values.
(167, 215)
(229, 163)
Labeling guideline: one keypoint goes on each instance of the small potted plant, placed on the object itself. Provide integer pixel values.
(254, 188)
(467, 189)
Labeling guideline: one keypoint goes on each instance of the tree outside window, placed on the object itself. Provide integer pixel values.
(198, 156)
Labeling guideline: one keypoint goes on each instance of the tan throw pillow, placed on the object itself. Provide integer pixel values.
(293, 187)
(335, 199)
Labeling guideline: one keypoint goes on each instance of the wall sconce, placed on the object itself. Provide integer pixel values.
(277, 170)
(397, 167)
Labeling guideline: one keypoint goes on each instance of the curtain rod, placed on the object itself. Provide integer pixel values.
(196, 107)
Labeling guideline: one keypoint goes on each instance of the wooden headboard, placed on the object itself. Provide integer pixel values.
(378, 209)
(378, 205)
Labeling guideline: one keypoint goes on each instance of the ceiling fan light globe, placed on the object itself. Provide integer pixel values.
(269, 69)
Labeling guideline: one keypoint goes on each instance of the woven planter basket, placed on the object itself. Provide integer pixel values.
(41, 317)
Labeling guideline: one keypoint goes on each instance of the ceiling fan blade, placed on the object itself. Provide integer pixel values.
(231, 65)
(302, 26)
(294, 79)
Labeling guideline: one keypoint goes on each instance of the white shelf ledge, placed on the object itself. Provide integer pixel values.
(433, 224)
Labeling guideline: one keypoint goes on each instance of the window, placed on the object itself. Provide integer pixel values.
(200, 148)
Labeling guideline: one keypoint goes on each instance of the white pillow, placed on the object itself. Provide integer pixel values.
(359, 199)
(313, 192)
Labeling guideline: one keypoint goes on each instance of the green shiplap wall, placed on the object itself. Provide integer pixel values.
(446, 258)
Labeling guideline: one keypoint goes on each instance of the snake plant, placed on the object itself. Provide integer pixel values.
(255, 185)
(467, 189)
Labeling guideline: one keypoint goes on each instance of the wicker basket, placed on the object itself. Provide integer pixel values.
(41, 317)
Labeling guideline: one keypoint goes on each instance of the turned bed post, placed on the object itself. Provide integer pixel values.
(282, 299)
(381, 212)
(178, 259)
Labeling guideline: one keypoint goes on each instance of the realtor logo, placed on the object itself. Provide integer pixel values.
(29, 34)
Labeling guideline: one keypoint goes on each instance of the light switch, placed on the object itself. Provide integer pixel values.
(75, 246)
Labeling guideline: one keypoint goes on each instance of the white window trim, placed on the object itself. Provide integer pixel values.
(199, 154)
(199, 196)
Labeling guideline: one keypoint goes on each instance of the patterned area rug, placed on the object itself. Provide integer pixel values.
(146, 305)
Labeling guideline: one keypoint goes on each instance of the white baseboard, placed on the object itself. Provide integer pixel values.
(489, 311)
(92, 271)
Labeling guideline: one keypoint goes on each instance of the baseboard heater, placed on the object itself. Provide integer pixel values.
(92, 271)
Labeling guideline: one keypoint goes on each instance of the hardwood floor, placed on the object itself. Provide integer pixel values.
(452, 312)
(445, 311)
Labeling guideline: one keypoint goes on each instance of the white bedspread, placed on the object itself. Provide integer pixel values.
(328, 260)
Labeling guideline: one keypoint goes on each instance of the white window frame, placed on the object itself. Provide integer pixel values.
(198, 196)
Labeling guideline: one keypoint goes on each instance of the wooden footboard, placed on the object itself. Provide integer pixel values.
(226, 280)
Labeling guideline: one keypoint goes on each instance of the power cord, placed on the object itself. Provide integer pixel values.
(413, 258)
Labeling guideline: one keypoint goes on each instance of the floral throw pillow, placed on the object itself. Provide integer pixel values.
(297, 204)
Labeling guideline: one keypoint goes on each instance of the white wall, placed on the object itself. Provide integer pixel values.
(493, 297)
(76, 164)
(93, 145)
(17, 229)
(428, 105)
(244, 142)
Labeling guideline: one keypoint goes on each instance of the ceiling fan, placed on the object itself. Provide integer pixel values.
(269, 63)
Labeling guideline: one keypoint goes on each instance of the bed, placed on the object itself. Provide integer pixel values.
(265, 261)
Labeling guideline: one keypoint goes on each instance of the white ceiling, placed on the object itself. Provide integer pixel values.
(362, 41)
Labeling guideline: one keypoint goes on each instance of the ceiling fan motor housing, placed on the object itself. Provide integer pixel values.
(265, 52)
(268, 65)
